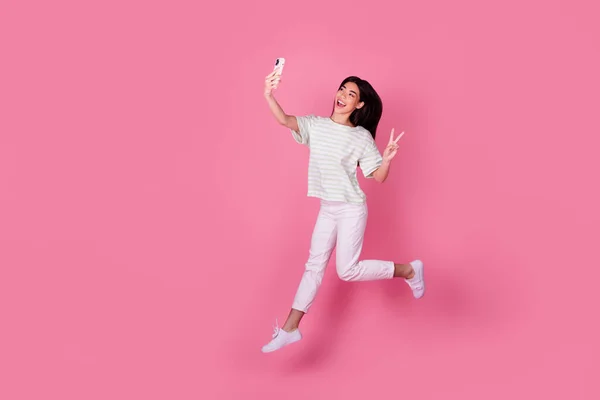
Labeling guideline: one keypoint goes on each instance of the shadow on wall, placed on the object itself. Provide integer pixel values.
(465, 292)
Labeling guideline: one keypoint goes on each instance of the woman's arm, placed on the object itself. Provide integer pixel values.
(381, 173)
(289, 121)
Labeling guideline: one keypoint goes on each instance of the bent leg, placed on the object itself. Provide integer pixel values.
(352, 223)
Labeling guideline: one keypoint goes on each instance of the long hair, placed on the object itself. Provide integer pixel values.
(369, 114)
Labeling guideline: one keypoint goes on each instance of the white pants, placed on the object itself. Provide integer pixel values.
(340, 224)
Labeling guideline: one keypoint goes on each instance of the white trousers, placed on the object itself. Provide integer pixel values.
(342, 225)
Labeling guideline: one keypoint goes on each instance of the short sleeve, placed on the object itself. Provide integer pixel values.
(370, 160)
(305, 125)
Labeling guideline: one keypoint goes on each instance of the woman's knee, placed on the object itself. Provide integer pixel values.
(346, 272)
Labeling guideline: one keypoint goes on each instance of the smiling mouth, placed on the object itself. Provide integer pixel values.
(339, 103)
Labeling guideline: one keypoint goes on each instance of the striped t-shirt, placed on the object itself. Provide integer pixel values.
(335, 151)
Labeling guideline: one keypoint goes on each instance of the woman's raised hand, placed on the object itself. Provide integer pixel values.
(392, 147)
(272, 81)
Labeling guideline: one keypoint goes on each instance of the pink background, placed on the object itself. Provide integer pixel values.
(154, 223)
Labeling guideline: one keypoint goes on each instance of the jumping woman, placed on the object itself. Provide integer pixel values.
(338, 145)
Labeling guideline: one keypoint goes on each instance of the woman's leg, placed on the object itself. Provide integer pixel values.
(403, 271)
(293, 320)
(295, 316)
(321, 247)
(352, 222)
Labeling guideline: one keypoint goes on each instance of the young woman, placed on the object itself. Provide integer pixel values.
(338, 145)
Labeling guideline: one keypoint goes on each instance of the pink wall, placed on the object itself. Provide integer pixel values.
(153, 218)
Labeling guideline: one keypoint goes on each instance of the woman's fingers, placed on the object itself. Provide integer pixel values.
(392, 140)
(398, 138)
(272, 74)
(272, 81)
(391, 149)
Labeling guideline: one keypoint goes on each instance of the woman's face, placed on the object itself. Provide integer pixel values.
(347, 99)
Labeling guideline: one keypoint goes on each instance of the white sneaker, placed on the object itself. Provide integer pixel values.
(281, 338)
(417, 282)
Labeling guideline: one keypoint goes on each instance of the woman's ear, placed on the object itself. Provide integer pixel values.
(360, 105)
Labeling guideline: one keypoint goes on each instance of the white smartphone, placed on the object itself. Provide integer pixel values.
(279, 63)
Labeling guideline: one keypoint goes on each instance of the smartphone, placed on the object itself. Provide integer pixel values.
(279, 63)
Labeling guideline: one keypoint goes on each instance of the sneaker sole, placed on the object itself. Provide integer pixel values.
(285, 345)
(421, 278)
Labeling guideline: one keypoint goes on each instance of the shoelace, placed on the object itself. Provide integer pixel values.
(276, 329)
(415, 284)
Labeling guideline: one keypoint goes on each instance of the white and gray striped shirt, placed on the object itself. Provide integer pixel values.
(335, 151)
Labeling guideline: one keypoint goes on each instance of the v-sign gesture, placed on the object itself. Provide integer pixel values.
(392, 147)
